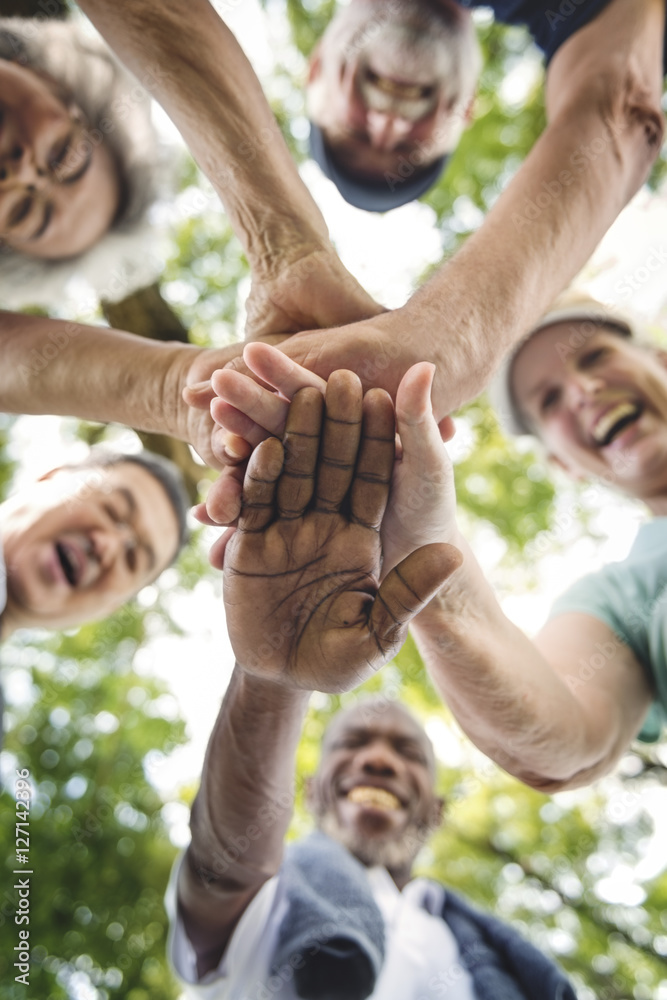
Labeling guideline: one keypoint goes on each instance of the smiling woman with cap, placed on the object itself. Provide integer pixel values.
(560, 711)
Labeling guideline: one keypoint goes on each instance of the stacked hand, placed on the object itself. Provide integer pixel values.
(302, 595)
(293, 293)
(312, 290)
(422, 507)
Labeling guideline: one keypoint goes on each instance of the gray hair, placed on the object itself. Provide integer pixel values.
(117, 109)
(167, 474)
(458, 46)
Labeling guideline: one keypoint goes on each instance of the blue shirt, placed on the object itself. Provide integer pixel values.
(631, 598)
(550, 22)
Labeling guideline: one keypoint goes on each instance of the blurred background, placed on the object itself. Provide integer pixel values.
(112, 719)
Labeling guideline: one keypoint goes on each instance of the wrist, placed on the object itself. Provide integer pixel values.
(453, 618)
(180, 371)
(282, 244)
(269, 696)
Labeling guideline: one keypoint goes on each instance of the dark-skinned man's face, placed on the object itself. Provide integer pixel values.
(374, 790)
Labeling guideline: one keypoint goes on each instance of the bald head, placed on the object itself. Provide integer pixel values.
(374, 790)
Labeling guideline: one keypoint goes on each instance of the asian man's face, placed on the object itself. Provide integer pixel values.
(78, 544)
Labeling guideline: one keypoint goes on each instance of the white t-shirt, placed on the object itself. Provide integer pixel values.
(422, 960)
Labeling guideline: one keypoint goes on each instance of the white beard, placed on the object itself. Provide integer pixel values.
(395, 854)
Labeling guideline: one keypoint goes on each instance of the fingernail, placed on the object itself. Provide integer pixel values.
(199, 386)
(236, 453)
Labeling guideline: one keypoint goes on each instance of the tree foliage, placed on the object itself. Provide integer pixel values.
(90, 731)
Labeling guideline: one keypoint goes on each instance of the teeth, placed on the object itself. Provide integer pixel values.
(608, 421)
(379, 798)
(67, 563)
(406, 91)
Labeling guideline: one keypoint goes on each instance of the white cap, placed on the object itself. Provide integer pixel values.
(572, 305)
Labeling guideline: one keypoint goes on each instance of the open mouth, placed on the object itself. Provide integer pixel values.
(69, 562)
(614, 421)
(396, 89)
(374, 798)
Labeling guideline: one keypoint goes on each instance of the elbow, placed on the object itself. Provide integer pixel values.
(547, 783)
(642, 119)
(625, 124)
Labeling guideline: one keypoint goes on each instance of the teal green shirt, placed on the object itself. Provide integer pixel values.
(631, 598)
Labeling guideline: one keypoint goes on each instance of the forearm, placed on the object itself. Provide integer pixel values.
(604, 133)
(69, 369)
(243, 808)
(192, 64)
(504, 694)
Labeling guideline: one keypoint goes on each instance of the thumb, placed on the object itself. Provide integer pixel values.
(419, 433)
(199, 395)
(447, 429)
(408, 589)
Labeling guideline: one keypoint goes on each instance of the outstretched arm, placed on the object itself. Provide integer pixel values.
(184, 54)
(304, 610)
(605, 130)
(70, 369)
(524, 703)
(242, 810)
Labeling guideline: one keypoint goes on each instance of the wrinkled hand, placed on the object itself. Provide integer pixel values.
(194, 386)
(422, 506)
(380, 349)
(315, 290)
(302, 598)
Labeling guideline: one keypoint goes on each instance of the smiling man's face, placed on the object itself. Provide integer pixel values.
(78, 544)
(600, 408)
(385, 83)
(59, 192)
(374, 790)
